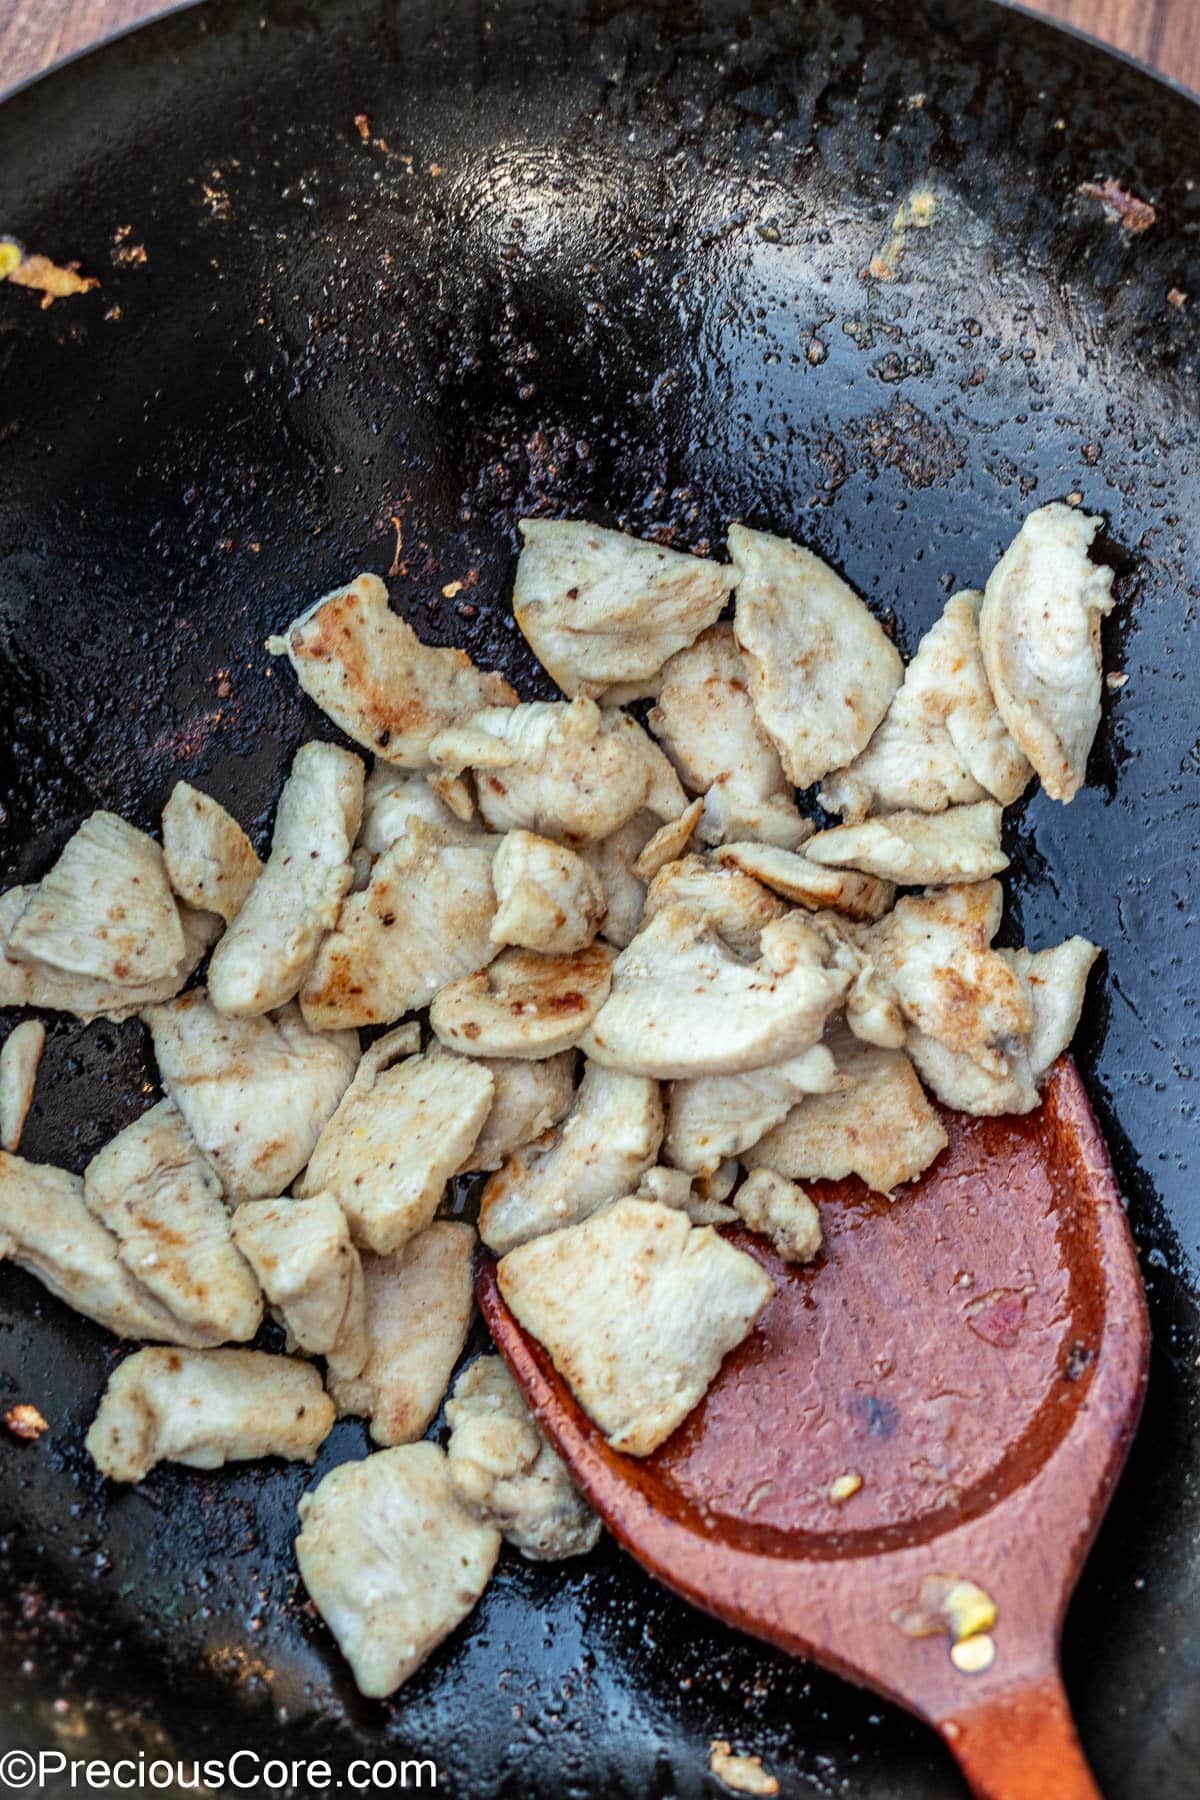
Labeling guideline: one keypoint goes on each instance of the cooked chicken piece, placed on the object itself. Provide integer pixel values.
(310, 1271)
(393, 1561)
(401, 1131)
(369, 672)
(204, 1408)
(608, 1140)
(698, 1197)
(104, 910)
(154, 1191)
(37, 984)
(822, 669)
(918, 849)
(565, 770)
(613, 859)
(1053, 982)
(958, 1081)
(455, 794)
(798, 877)
(505, 1472)
(877, 1124)
(706, 722)
(46, 1228)
(392, 797)
(599, 608)
(683, 1004)
(669, 842)
(933, 951)
(942, 743)
(423, 921)
(713, 1187)
(664, 796)
(524, 1005)
(256, 1093)
(527, 1099)
(210, 861)
(20, 1059)
(872, 1010)
(419, 1305)
(549, 898)
(770, 1203)
(715, 1117)
(269, 949)
(738, 906)
(637, 1308)
(1040, 632)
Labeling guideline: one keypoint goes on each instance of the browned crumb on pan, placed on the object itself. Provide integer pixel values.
(1127, 210)
(744, 1774)
(40, 273)
(26, 1422)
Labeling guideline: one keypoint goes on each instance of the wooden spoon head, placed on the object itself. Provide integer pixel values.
(975, 1350)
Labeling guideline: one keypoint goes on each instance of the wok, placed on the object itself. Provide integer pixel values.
(409, 273)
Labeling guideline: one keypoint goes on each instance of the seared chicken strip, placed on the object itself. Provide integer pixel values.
(527, 1099)
(1040, 632)
(154, 1191)
(934, 952)
(608, 1140)
(205, 1408)
(565, 770)
(20, 1059)
(301, 1252)
(738, 906)
(505, 1472)
(399, 1134)
(37, 984)
(549, 898)
(614, 859)
(678, 977)
(712, 1118)
(701, 1197)
(256, 1093)
(392, 797)
(706, 723)
(798, 877)
(423, 921)
(873, 1012)
(767, 1202)
(1053, 982)
(210, 861)
(525, 1004)
(393, 1561)
(669, 842)
(367, 669)
(942, 743)
(918, 849)
(46, 1228)
(637, 1308)
(104, 910)
(601, 609)
(877, 1124)
(419, 1306)
(269, 949)
(822, 669)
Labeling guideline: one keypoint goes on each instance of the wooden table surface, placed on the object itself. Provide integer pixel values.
(34, 33)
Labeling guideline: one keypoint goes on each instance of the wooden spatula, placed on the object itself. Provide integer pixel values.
(976, 1353)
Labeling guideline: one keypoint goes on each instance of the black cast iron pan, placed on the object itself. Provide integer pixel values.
(410, 272)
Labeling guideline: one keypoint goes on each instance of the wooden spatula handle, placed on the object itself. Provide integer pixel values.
(1020, 1744)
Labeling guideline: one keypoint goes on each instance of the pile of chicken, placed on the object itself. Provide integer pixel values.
(658, 998)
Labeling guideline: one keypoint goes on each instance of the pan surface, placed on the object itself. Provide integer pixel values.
(375, 281)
